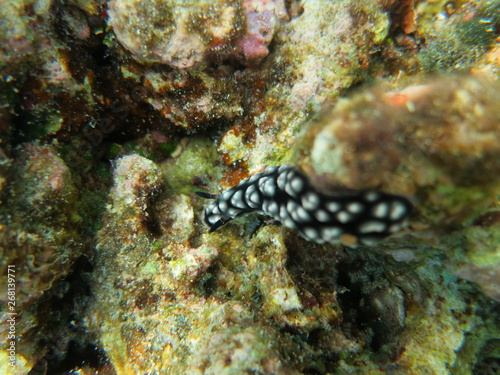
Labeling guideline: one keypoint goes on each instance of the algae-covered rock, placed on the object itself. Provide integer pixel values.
(456, 35)
(436, 141)
(317, 54)
(178, 33)
(153, 308)
(40, 224)
(193, 167)
(41, 237)
(478, 257)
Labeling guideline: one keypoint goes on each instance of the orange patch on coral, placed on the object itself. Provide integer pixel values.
(234, 175)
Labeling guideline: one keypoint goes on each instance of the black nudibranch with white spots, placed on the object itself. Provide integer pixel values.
(285, 194)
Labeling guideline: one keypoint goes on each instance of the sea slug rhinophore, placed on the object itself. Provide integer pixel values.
(285, 194)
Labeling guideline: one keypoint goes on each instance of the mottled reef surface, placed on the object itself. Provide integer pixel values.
(114, 113)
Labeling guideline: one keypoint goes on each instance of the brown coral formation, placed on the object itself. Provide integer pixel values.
(307, 71)
(477, 257)
(41, 236)
(436, 141)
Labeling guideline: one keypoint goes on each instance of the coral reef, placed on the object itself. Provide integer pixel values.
(161, 275)
(457, 36)
(324, 50)
(114, 113)
(477, 257)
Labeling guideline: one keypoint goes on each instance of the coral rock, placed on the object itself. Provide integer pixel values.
(178, 33)
(39, 230)
(437, 141)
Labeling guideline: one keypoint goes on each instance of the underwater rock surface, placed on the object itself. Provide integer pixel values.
(436, 141)
(114, 113)
(177, 33)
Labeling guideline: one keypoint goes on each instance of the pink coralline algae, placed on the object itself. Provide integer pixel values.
(262, 19)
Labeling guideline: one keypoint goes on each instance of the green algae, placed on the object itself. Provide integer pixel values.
(150, 268)
(196, 161)
(456, 42)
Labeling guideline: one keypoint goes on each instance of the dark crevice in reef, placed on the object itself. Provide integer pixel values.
(373, 308)
(151, 216)
(208, 282)
(61, 335)
(121, 112)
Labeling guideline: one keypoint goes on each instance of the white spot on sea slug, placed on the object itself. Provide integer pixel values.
(310, 201)
(283, 168)
(269, 188)
(331, 233)
(372, 226)
(343, 217)
(297, 184)
(369, 241)
(396, 227)
(371, 196)
(354, 207)
(281, 181)
(262, 181)
(333, 206)
(249, 191)
(288, 222)
(273, 208)
(310, 233)
(255, 177)
(397, 211)
(212, 219)
(222, 205)
(270, 170)
(288, 190)
(237, 199)
(291, 207)
(380, 210)
(232, 212)
(301, 214)
(322, 215)
(283, 212)
(226, 195)
(255, 197)
(265, 206)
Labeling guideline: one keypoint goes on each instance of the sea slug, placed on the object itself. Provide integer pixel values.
(285, 194)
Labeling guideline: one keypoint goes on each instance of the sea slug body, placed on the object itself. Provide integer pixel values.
(285, 194)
